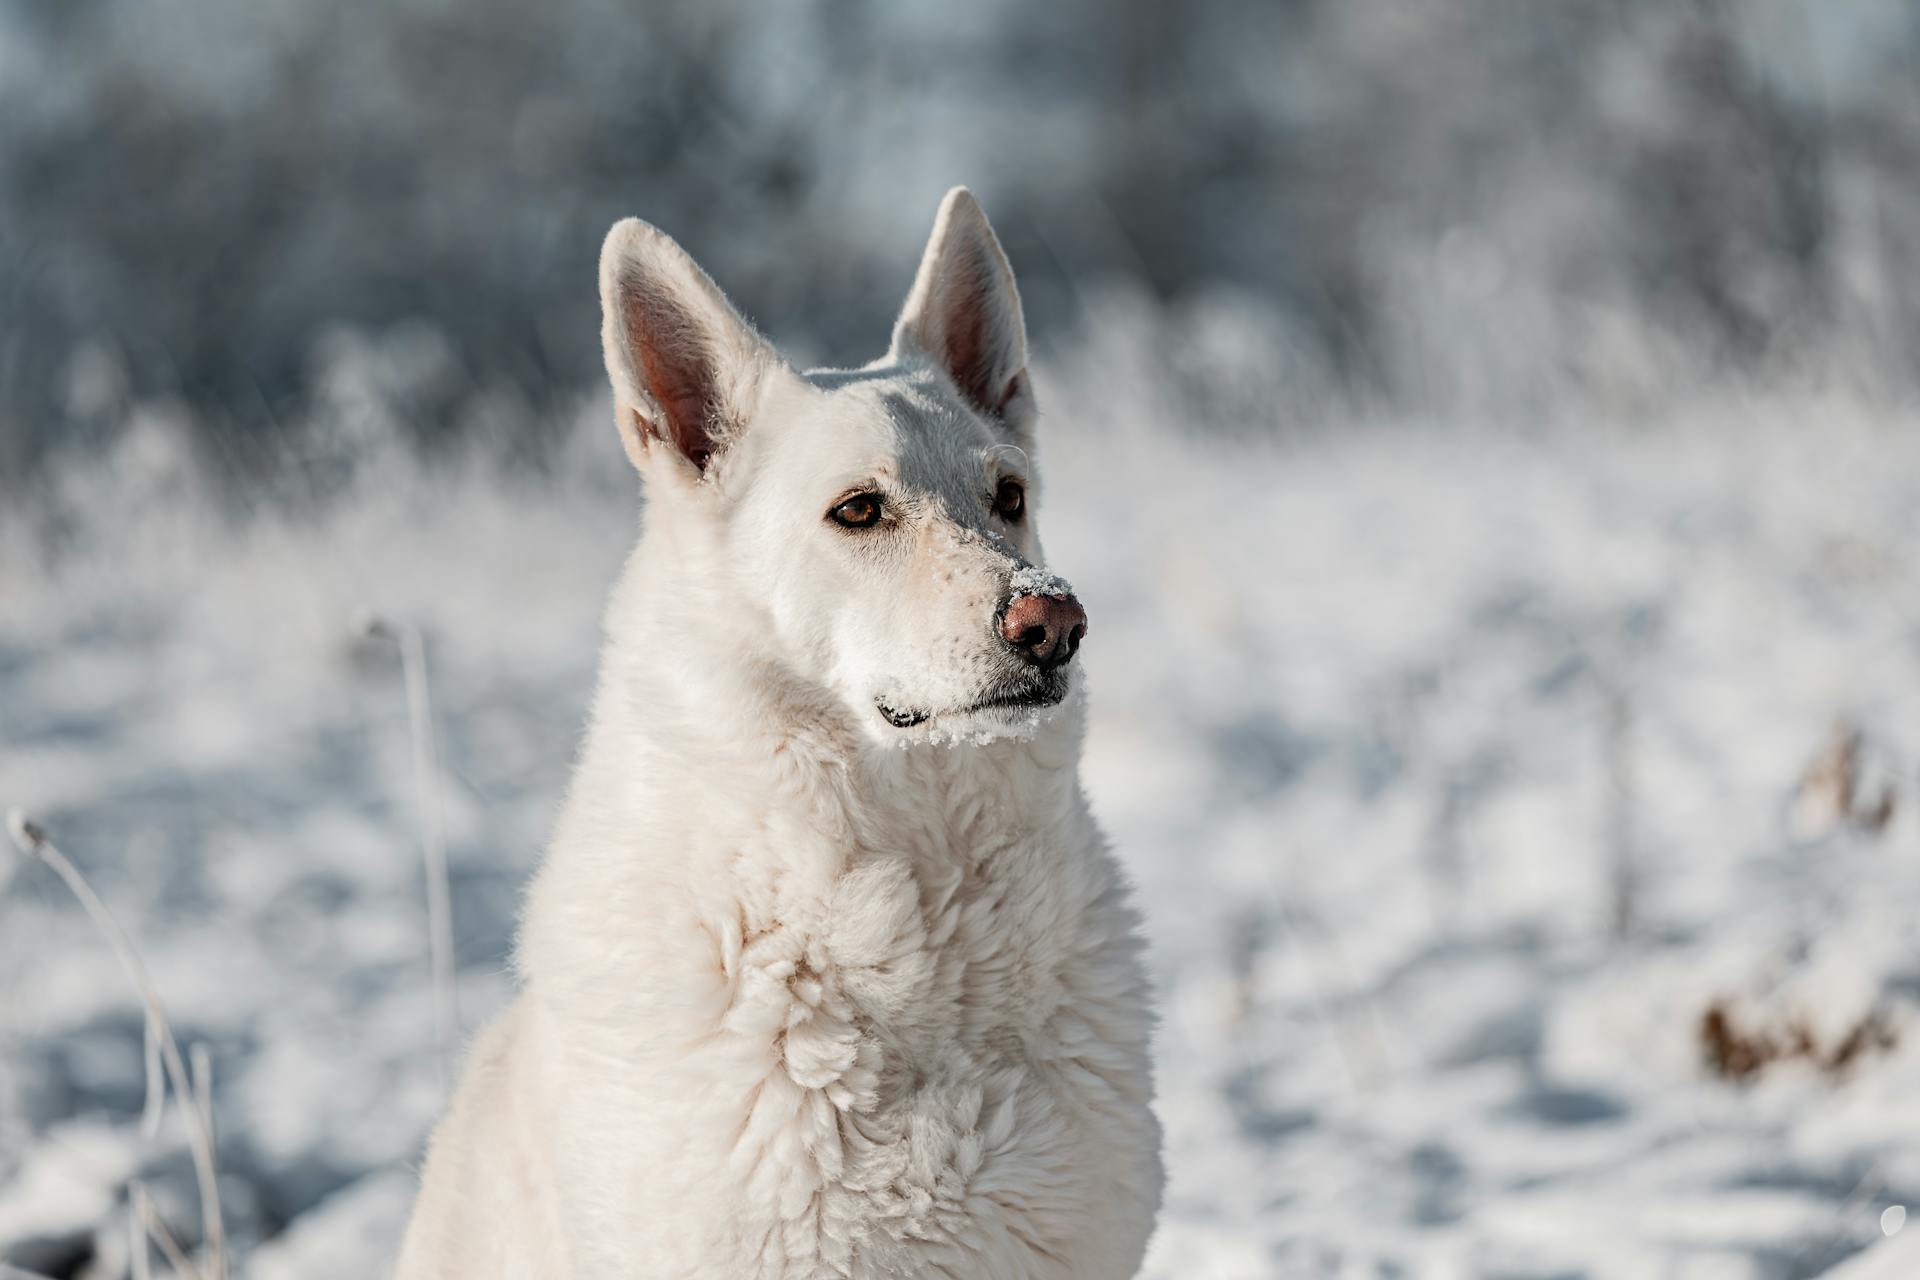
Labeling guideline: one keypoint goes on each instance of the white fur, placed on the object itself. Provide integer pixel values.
(805, 994)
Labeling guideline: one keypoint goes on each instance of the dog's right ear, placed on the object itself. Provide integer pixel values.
(685, 366)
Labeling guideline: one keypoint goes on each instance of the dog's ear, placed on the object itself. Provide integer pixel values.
(964, 313)
(685, 366)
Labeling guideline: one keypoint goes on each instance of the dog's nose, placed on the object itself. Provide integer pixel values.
(1045, 629)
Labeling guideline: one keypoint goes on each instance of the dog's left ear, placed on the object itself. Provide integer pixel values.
(964, 313)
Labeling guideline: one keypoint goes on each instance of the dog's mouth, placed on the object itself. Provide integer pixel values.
(1047, 690)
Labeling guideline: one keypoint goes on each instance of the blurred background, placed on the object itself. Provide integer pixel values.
(1517, 400)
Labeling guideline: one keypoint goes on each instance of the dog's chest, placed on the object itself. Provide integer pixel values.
(947, 1023)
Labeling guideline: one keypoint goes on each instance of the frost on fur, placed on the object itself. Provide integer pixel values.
(1006, 725)
(1030, 580)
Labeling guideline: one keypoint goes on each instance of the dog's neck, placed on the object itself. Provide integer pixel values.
(709, 770)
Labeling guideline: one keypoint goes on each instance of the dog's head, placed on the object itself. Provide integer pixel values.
(873, 527)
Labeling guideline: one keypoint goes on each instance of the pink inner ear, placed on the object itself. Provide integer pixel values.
(967, 351)
(972, 356)
(678, 372)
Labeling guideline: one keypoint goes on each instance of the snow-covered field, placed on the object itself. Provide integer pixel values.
(1462, 771)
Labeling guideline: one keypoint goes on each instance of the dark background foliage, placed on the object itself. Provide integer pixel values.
(192, 195)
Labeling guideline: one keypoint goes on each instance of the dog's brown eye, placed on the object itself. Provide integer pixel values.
(861, 511)
(1010, 500)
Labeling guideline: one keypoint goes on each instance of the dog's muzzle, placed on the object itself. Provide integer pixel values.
(1044, 687)
(1042, 627)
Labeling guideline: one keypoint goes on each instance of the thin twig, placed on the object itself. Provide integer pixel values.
(200, 1062)
(139, 1261)
(433, 838)
(1870, 1184)
(1616, 749)
(433, 845)
(156, 1229)
(155, 1105)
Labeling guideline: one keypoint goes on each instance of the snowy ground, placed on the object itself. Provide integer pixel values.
(1396, 726)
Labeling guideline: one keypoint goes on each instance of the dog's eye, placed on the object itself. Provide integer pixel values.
(862, 511)
(1010, 500)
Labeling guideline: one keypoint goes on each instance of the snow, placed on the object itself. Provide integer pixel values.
(1897, 1259)
(1030, 580)
(1459, 768)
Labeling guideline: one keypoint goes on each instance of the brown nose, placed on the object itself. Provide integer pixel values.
(1045, 629)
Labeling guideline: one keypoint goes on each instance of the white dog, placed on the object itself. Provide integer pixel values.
(828, 971)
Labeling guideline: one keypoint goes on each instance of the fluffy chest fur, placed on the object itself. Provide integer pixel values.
(885, 1019)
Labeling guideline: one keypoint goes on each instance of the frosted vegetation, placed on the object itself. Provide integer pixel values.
(1514, 901)
(1441, 206)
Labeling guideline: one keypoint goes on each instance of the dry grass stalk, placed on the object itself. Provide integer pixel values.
(1617, 740)
(34, 843)
(1835, 794)
(150, 1221)
(139, 1261)
(433, 839)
